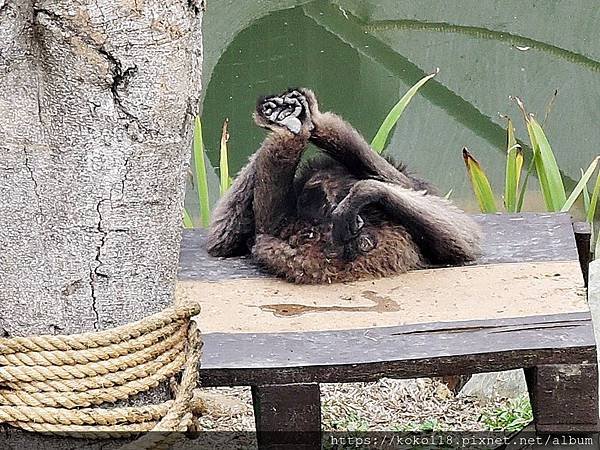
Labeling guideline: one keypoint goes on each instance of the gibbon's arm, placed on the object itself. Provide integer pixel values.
(232, 224)
(341, 141)
(276, 163)
(260, 199)
(287, 117)
(443, 233)
(262, 196)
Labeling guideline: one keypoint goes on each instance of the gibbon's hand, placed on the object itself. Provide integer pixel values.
(289, 110)
(348, 234)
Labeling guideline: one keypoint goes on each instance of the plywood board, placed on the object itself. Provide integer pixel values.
(265, 305)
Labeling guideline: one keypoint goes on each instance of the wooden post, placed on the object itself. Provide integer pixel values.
(288, 416)
(583, 236)
(564, 397)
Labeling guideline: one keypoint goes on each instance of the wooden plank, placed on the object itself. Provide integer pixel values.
(420, 350)
(196, 264)
(507, 238)
(583, 237)
(422, 296)
(564, 397)
(526, 237)
(287, 416)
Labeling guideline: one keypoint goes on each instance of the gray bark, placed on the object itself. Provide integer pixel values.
(96, 105)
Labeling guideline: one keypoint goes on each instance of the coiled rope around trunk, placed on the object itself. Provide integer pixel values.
(53, 384)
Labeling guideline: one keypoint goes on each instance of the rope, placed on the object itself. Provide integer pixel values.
(53, 383)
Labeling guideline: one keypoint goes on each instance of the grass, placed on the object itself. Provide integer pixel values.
(225, 180)
(510, 417)
(425, 426)
(543, 162)
(481, 185)
(514, 166)
(406, 406)
(201, 177)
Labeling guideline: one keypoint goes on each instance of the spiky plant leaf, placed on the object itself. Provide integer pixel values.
(187, 220)
(201, 177)
(581, 185)
(224, 160)
(381, 137)
(480, 183)
(514, 165)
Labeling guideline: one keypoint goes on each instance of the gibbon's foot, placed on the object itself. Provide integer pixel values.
(289, 110)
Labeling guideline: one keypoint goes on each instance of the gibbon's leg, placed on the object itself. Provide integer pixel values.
(341, 141)
(232, 224)
(274, 197)
(443, 233)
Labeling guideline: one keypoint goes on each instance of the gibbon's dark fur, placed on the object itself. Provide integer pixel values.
(346, 215)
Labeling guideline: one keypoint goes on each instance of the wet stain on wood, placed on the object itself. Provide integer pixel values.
(382, 304)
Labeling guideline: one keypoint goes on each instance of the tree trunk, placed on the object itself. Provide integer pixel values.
(97, 99)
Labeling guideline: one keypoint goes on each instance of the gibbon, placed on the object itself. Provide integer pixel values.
(345, 215)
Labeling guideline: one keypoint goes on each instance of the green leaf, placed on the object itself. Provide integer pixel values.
(524, 187)
(201, 177)
(579, 188)
(480, 183)
(546, 167)
(514, 165)
(187, 220)
(380, 139)
(594, 201)
(223, 162)
(511, 140)
(586, 197)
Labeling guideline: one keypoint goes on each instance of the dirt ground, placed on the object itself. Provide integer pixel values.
(387, 405)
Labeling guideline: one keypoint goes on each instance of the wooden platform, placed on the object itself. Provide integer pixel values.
(437, 295)
(522, 304)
